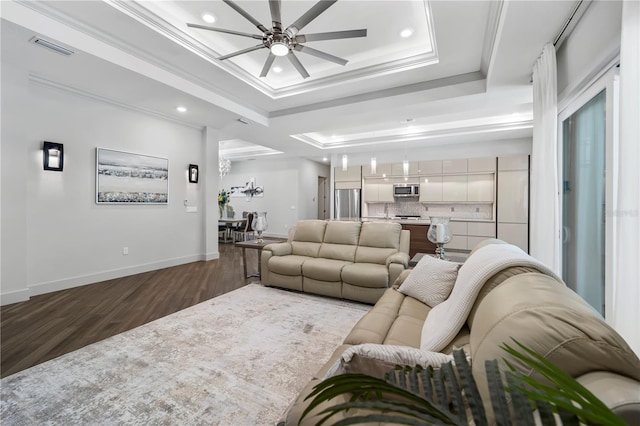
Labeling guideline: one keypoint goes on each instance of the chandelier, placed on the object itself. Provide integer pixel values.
(224, 166)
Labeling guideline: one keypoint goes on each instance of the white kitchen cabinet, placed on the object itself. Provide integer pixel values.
(348, 185)
(458, 227)
(382, 170)
(487, 164)
(513, 196)
(397, 169)
(480, 188)
(454, 166)
(385, 193)
(514, 233)
(458, 242)
(454, 188)
(431, 189)
(377, 193)
(431, 167)
(481, 229)
(519, 162)
(352, 173)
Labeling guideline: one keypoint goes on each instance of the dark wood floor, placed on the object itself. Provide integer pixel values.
(53, 324)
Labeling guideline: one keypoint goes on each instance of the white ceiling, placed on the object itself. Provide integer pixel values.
(464, 74)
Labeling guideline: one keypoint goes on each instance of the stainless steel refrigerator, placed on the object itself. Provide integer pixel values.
(346, 204)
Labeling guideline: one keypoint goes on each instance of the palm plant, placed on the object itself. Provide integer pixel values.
(418, 396)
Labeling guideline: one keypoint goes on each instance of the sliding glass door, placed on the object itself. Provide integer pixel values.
(583, 201)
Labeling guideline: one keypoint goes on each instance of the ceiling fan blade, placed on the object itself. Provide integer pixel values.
(248, 17)
(296, 63)
(274, 6)
(222, 30)
(267, 65)
(310, 15)
(320, 54)
(302, 38)
(240, 52)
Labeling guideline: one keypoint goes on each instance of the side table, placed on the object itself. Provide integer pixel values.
(254, 244)
(416, 258)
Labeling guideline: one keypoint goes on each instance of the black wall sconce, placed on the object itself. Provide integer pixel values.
(53, 156)
(193, 173)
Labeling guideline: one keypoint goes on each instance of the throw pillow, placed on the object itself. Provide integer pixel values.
(377, 360)
(431, 280)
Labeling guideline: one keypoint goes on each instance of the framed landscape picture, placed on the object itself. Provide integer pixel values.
(127, 178)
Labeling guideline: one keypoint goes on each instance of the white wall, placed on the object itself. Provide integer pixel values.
(54, 235)
(290, 190)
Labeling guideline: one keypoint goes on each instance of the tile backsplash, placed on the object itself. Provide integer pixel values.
(410, 207)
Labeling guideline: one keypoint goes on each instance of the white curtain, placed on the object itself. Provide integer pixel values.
(626, 211)
(544, 223)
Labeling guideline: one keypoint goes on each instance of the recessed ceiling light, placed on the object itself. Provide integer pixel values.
(181, 109)
(324, 158)
(208, 18)
(406, 33)
(277, 69)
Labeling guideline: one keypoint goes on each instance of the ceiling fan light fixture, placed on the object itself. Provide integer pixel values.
(279, 48)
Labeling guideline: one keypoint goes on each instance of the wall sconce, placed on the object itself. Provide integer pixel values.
(52, 156)
(193, 173)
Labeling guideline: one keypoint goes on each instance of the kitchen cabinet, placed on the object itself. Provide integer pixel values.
(352, 173)
(454, 166)
(515, 233)
(377, 192)
(519, 162)
(431, 167)
(418, 242)
(480, 188)
(513, 196)
(475, 165)
(481, 229)
(431, 189)
(397, 170)
(454, 188)
(348, 185)
(382, 170)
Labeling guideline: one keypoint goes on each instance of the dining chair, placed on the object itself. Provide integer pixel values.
(248, 229)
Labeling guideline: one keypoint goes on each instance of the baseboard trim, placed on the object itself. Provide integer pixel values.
(67, 283)
(210, 256)
(14, 297)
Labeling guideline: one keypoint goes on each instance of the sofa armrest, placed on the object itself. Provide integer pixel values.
(278, 249)
(400, 258)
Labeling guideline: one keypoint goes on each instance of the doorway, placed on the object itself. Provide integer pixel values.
(323, 198)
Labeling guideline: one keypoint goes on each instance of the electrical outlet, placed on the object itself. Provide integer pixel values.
(125, 251)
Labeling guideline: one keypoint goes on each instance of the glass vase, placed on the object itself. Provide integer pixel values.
(260, 224)
(439, 233)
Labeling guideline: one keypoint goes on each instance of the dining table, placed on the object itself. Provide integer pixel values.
(231, 223)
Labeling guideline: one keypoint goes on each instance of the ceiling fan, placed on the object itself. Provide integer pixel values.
(284, 41)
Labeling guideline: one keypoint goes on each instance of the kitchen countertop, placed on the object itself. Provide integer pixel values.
(418, 221)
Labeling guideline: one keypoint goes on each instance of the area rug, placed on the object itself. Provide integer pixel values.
(237, 359)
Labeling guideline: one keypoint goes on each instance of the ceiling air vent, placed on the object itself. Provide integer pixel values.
(52, 46)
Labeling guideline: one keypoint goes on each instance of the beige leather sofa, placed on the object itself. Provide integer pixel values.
(517, 302)
(351, 260)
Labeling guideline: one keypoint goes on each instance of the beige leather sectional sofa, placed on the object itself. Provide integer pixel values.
(519, 302)
(351, 260)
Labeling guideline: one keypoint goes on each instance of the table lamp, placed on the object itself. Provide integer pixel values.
(260, 224)
(439, 233)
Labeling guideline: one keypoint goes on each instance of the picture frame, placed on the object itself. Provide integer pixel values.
(128, 178)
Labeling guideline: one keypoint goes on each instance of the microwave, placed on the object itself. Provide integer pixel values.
(406, 190)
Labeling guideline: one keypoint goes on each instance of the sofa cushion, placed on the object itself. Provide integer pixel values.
(337, 251)
(431, 281)
(382, 235)
(377, 255)
(311, 231)
(366, 275)
(287, 265)
(301, 248)
(338, 232)
(324, 269)
(552, 320)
